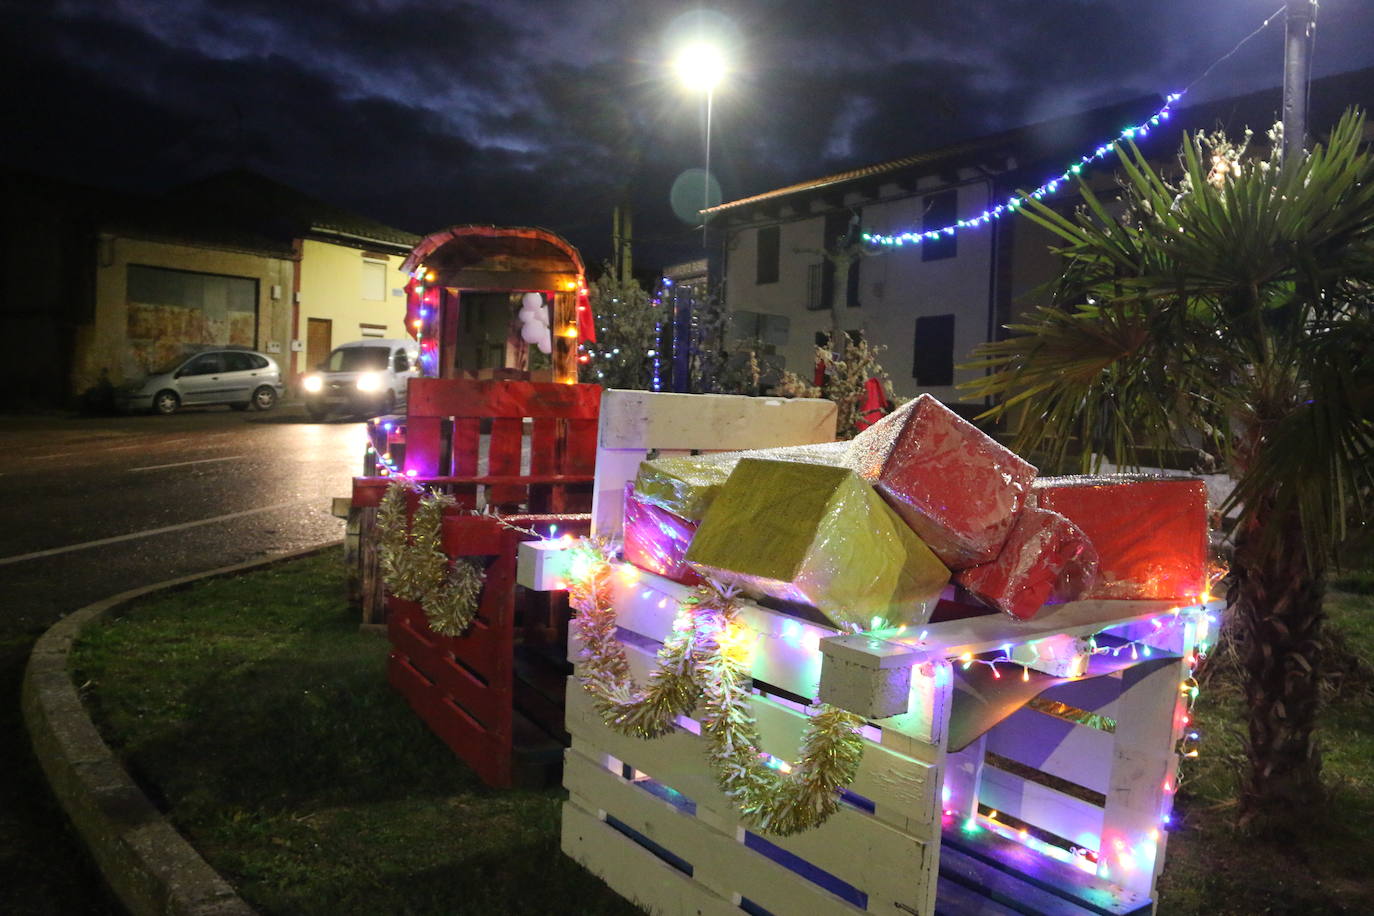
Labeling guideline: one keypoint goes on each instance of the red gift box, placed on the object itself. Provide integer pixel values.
(656, 540)
(955, 486)
(1150, 532)
(1046, 559)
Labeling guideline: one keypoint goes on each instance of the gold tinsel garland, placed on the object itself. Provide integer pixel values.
(415, 567)
(706, 657)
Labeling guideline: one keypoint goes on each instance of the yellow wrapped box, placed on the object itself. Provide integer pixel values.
(686, 485)
(817, 535)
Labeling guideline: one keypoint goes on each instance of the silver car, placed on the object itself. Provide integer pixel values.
(235, 376)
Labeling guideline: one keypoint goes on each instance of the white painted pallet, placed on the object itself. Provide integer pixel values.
(648, 817)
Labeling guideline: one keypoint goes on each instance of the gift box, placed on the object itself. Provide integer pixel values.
(1046, 559)
(955, 486)
(1150, 532)
(817, 535)
(686, 485)
(656, 540)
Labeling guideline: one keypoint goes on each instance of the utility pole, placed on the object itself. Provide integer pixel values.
(1299, 27)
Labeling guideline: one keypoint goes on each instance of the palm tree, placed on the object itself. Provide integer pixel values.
(1231, 310)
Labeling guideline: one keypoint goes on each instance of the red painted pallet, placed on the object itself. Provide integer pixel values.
(491, 694)
(495, 694)
(537, 455)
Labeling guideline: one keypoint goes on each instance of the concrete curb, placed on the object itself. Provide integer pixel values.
(149, 866)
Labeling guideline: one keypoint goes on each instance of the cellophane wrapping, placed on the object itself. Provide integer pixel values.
(686, 485)
(954, 485)
(1046, 559)
(821, 536)
(656, 540)
(1150, 532)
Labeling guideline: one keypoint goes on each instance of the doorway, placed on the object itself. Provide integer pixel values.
(319, 337)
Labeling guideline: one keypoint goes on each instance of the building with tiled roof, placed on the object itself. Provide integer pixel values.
(791, 258)
(129, 281)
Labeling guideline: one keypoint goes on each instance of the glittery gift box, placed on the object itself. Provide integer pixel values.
(954, 485)
(656, 540)
(685, 485)
(817, 535)
(1150, 532)
(1046, 559)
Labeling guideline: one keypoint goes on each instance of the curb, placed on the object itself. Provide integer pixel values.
(146, 863)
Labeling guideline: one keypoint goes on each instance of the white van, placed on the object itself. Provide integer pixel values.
(363, 377)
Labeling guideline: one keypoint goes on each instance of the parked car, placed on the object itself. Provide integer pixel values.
(362, 377)
(236, 376)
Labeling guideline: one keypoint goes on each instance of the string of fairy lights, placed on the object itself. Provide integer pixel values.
(1018, 200)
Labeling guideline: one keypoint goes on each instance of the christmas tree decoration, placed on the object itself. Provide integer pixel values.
(954, 485)
(1150, 532)
(1045, 559)
(819, 536)
(656, 540)
(415, 567)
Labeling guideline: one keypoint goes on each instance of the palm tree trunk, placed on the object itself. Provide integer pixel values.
(1278, 601)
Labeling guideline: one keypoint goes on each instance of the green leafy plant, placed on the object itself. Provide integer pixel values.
(1230, 311)
(626, 322)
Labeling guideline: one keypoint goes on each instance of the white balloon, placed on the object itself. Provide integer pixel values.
(538, 316)
(545, 341)
(532, 300)
(532, 333)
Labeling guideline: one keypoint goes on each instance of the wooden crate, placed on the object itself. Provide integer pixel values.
(986, 826)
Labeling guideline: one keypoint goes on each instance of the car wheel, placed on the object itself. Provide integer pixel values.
(317, 411)
(165, 402)
(242, 405)
(264, 398)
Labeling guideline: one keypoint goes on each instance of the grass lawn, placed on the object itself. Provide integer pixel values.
(259, 718)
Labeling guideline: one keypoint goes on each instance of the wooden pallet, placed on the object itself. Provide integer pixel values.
(968, 800)
(487, 693)
(536, 457)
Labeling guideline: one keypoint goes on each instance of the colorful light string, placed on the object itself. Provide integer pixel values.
(1017, 200)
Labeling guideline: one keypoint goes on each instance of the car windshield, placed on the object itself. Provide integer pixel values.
(357, 359)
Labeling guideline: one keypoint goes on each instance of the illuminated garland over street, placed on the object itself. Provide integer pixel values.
(707, 656)
(1016, 201)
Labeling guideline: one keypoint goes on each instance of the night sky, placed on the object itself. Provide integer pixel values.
(428, 113)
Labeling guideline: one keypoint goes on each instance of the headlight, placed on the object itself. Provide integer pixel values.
(369, 381)
(313, 383)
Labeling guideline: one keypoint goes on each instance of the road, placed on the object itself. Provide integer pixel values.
(96, 506)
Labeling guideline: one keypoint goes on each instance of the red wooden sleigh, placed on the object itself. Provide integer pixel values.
(494, 694)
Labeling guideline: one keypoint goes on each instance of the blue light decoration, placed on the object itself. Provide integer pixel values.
(1016, 201)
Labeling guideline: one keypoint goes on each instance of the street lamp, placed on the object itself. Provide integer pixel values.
(700, 66)
(1300, 23)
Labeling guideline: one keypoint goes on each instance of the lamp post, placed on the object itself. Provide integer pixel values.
(700, 67)
(1299, 25)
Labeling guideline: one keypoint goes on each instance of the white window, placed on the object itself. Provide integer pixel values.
(374, 280)
(371, 330)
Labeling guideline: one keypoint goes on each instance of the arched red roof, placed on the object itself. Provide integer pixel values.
(499, 246)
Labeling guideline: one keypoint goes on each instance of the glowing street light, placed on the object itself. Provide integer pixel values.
(700, 67)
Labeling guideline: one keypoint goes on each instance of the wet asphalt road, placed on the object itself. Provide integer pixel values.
(95, 506)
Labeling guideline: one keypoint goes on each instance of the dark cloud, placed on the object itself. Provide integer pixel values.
(424, 113)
